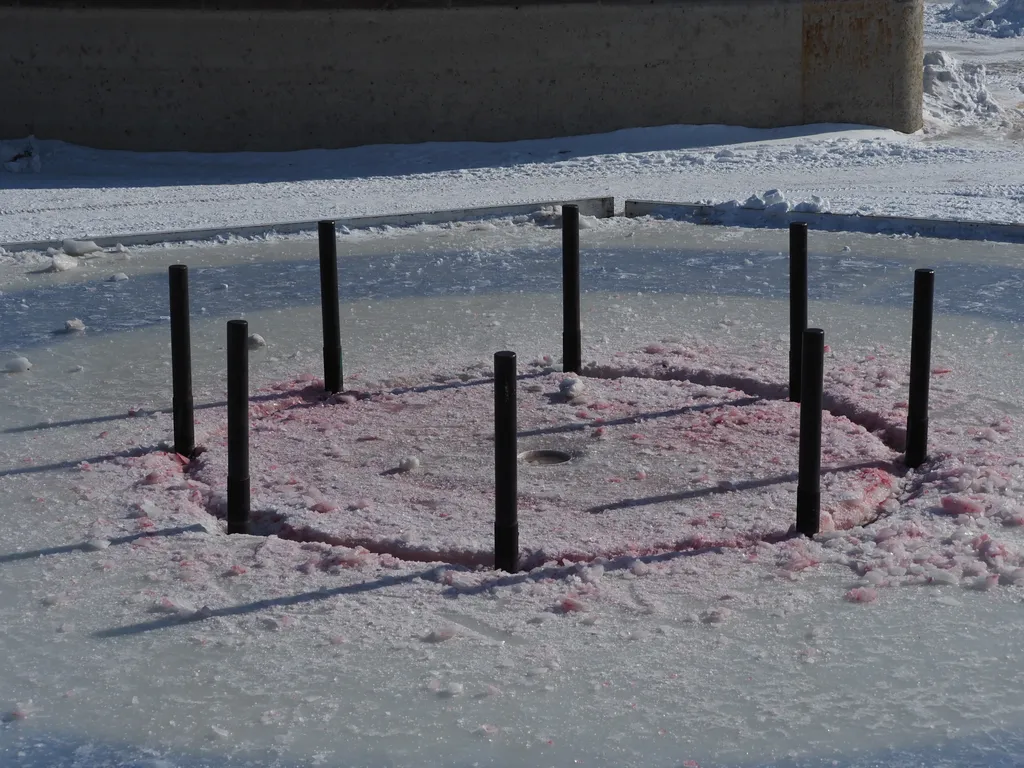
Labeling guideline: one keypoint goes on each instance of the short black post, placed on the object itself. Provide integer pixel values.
(238, 426)
(920, 368)
(808, 484)
(797, 303)
(182, 404)
(329, 301)
(506, 516)
(572, 343)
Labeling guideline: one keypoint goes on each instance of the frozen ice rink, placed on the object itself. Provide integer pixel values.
(348, 670)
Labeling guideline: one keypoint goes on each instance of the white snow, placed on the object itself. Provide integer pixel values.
(966, 10)
(79, 247)
(998, 18)
(255, 341)
(285, 642)
(20, 156)
(17, 365)
(955, 93)
(58, 262)
(137, 633)
(408, 464)
(571, 386)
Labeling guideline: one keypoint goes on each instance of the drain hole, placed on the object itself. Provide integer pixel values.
(544, 457)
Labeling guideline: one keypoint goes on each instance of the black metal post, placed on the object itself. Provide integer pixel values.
(920, 368)
(506, 518)
(797, 303)
(333, 377)
(238, 426)
(808, 484)
(572, 342)
(182, 403)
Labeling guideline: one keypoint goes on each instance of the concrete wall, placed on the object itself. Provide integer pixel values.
(254, 78)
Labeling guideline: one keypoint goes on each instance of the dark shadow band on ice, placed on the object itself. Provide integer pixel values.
(738, 216)
(39, 748)
(86, 546)
(498, 579)
(598, 207)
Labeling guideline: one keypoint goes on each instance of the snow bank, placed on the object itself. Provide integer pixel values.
(968, 10)
(955, 92)
(989, 17)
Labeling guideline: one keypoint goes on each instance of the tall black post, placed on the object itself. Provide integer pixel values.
(238, 426)
(182, 404)
(920, 368)
(797, 303)
(506, 517)
(572, 342)
(329, 301)
(808, 484)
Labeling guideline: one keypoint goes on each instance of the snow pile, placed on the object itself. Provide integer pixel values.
(968, 10)
(955, 92)
(774, 203)
(21, 156)
(989, 17)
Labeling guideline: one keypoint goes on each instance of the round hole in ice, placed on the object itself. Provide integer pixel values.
(544, 457)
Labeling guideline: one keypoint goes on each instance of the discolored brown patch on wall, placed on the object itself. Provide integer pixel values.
(853, 50)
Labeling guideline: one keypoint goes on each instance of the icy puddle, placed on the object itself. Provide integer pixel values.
(135, 633)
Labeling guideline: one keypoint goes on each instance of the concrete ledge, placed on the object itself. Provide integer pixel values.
(946, 229)
(252, 76)
(599, 207)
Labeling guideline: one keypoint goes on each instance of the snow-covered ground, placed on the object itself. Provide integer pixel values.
(135, 633)
(969, 163)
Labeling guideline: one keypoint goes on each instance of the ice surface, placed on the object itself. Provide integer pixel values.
(148, 650)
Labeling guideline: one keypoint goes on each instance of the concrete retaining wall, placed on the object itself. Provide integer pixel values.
(256, 78)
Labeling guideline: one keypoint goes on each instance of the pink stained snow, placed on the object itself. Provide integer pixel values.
(655, 466)
(679, 448)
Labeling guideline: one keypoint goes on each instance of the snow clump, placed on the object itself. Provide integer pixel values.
(61, 263)
(23, 158)
(79, 247)
(571, 387)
